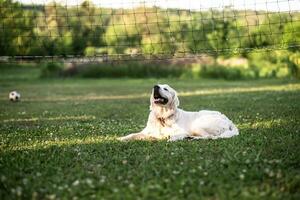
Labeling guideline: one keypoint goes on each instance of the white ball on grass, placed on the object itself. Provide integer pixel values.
(14, 96)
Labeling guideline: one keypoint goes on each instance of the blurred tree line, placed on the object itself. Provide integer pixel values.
(87, 30)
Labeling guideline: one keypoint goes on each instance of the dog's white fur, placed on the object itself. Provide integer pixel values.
(167, 121)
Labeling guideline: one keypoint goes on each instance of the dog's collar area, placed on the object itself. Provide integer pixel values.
(162, 120)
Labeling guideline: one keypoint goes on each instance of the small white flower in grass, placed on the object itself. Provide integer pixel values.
(19, 191)
(126, 181)
(242, 176)
(124, 162)
(25, 181)
(182, 183)
(244, 171)
(263, 193)
(75, 183)
(176, 172)
(271, 174)
(89, 182)
(34, 195)
(205, 173)
(102, 179)
(3, 178)
(51, 196)
(201, 182)
(151, 186)
(279, 174)
(267, 170)
(131, 185)
(115, 190)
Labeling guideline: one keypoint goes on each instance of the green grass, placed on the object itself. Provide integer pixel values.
(59, 142)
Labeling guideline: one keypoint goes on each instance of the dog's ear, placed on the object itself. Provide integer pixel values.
(176, 100)
(151, 101)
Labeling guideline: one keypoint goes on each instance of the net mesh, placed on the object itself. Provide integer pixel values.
(139, 30)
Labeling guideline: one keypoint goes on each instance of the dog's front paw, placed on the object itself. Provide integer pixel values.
(122, 139)
(175, 138)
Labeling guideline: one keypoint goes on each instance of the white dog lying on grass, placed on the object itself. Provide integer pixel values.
(166, 121)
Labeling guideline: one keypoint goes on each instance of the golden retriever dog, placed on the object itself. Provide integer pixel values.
(167, 121)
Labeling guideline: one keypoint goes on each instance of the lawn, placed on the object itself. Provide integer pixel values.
(59, 142)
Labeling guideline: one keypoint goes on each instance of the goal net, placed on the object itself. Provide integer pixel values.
(108, 30)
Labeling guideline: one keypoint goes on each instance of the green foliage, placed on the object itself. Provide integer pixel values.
(291, 37)
(130, 69)
(276, 64)
(51, 69)
(217, 71)
(16, 32)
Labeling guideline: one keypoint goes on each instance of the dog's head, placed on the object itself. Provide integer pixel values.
(163, 96)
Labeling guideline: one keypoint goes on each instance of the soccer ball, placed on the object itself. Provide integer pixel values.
(14, 96)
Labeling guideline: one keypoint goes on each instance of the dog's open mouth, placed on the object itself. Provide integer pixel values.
(158, 99)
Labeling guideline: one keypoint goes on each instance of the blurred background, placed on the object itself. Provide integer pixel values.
(230, 39)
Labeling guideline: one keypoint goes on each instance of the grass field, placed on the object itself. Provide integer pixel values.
(59, 142)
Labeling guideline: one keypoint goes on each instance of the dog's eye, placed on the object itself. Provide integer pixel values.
(166, 89)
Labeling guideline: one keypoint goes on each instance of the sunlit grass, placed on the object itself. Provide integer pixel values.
(58, 118)
(58, 142)
(287, 87)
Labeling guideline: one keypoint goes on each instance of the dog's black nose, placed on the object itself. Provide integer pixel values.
(156, 87)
